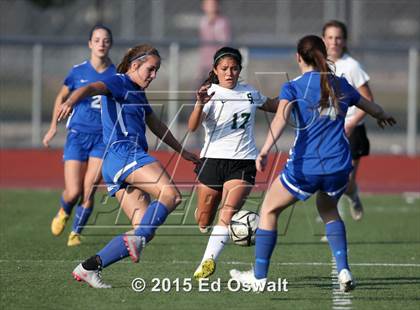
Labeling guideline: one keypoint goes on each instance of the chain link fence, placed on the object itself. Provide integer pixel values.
(381, 33)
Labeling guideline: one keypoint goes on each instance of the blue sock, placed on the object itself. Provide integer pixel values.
(114, 251)
(67, 206)
(336, 235)
(265, 241)
(155, 216)
(80, 218)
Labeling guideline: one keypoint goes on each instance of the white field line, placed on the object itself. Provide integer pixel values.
(340, 300)
(187, 262)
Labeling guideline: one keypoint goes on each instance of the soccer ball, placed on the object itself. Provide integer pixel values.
(242, 227)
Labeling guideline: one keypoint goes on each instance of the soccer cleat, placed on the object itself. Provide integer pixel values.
(204, 230)
(91, 277)
(74, 239)
(356, 208)
(247, 278)
(206, 269)
(346, 281)
(134, 245)
(59, 222)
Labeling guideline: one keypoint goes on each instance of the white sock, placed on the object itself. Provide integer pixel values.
(217, 240)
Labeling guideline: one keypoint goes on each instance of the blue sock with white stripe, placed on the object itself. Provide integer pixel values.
(80, 218)
(336, 235)
(67, 206)
(114, 251)
(265, 241)
(155, 216)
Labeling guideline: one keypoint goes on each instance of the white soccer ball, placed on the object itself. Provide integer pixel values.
(243, 226)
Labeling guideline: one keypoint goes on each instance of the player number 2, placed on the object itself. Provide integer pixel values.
(244, 116)
(96, 102)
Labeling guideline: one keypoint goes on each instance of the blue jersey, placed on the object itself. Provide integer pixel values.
(124, 112)
(321, 146)
(86, 116)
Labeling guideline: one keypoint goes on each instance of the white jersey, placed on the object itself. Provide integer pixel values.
(229, 119)
(350, 68)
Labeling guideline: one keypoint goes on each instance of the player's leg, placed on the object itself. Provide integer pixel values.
(134, 202)
(235, 193)
(336, 235)
(208, 200)
(91, 179)
(152, 179)
(73, 180)
(277, 199)
(360, 146)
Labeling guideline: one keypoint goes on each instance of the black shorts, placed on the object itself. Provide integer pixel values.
(359, 142)
(214, 172)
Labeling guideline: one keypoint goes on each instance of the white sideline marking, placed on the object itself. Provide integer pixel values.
(340, 300)
(187, 262)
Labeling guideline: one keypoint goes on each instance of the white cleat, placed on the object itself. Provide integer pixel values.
(346, 281)
(356, 208)
(247, 278)
(91, 277)
(134, 245)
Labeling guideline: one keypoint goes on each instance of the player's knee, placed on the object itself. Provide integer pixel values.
(171, 198)
(72, 195)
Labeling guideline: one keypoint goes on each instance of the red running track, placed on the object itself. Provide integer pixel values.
(35, 168)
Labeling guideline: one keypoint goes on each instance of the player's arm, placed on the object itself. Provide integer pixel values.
(159, 129)
(270, 105)
(365, 91)
(93, 89)
(277, 126)
(61, 97)
(376, 111)
(197, 114)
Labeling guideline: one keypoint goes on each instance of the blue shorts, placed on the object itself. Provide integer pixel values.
(304, 186)
(80, 146)
(120, 161)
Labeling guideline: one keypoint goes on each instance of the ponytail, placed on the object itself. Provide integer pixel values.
(313, 52)
(137, 53)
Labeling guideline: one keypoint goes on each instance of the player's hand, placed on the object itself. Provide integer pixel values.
(261, 162)
(49, 136)
(386, 120)
(64, 111)
(202, 96)
(190, 156)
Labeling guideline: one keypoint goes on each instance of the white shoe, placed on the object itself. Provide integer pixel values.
(247, 278)
(91, 277)
(346, 281)
(134, 245)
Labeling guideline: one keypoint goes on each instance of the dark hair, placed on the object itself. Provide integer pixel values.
(100, 26)
(219, 55)
(137, 53)
(337, 24)
(314, 53)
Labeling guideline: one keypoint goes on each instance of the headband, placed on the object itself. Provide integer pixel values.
(224, 54)
(139, 57)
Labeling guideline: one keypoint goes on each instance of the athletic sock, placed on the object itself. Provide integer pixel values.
(265, 241)
(155, 216)
(93, 263)
(217, 240)
(80, 218)
(114, 251)
(336, 235)
(67, 206)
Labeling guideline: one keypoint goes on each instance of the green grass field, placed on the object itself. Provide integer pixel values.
(35, 267)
